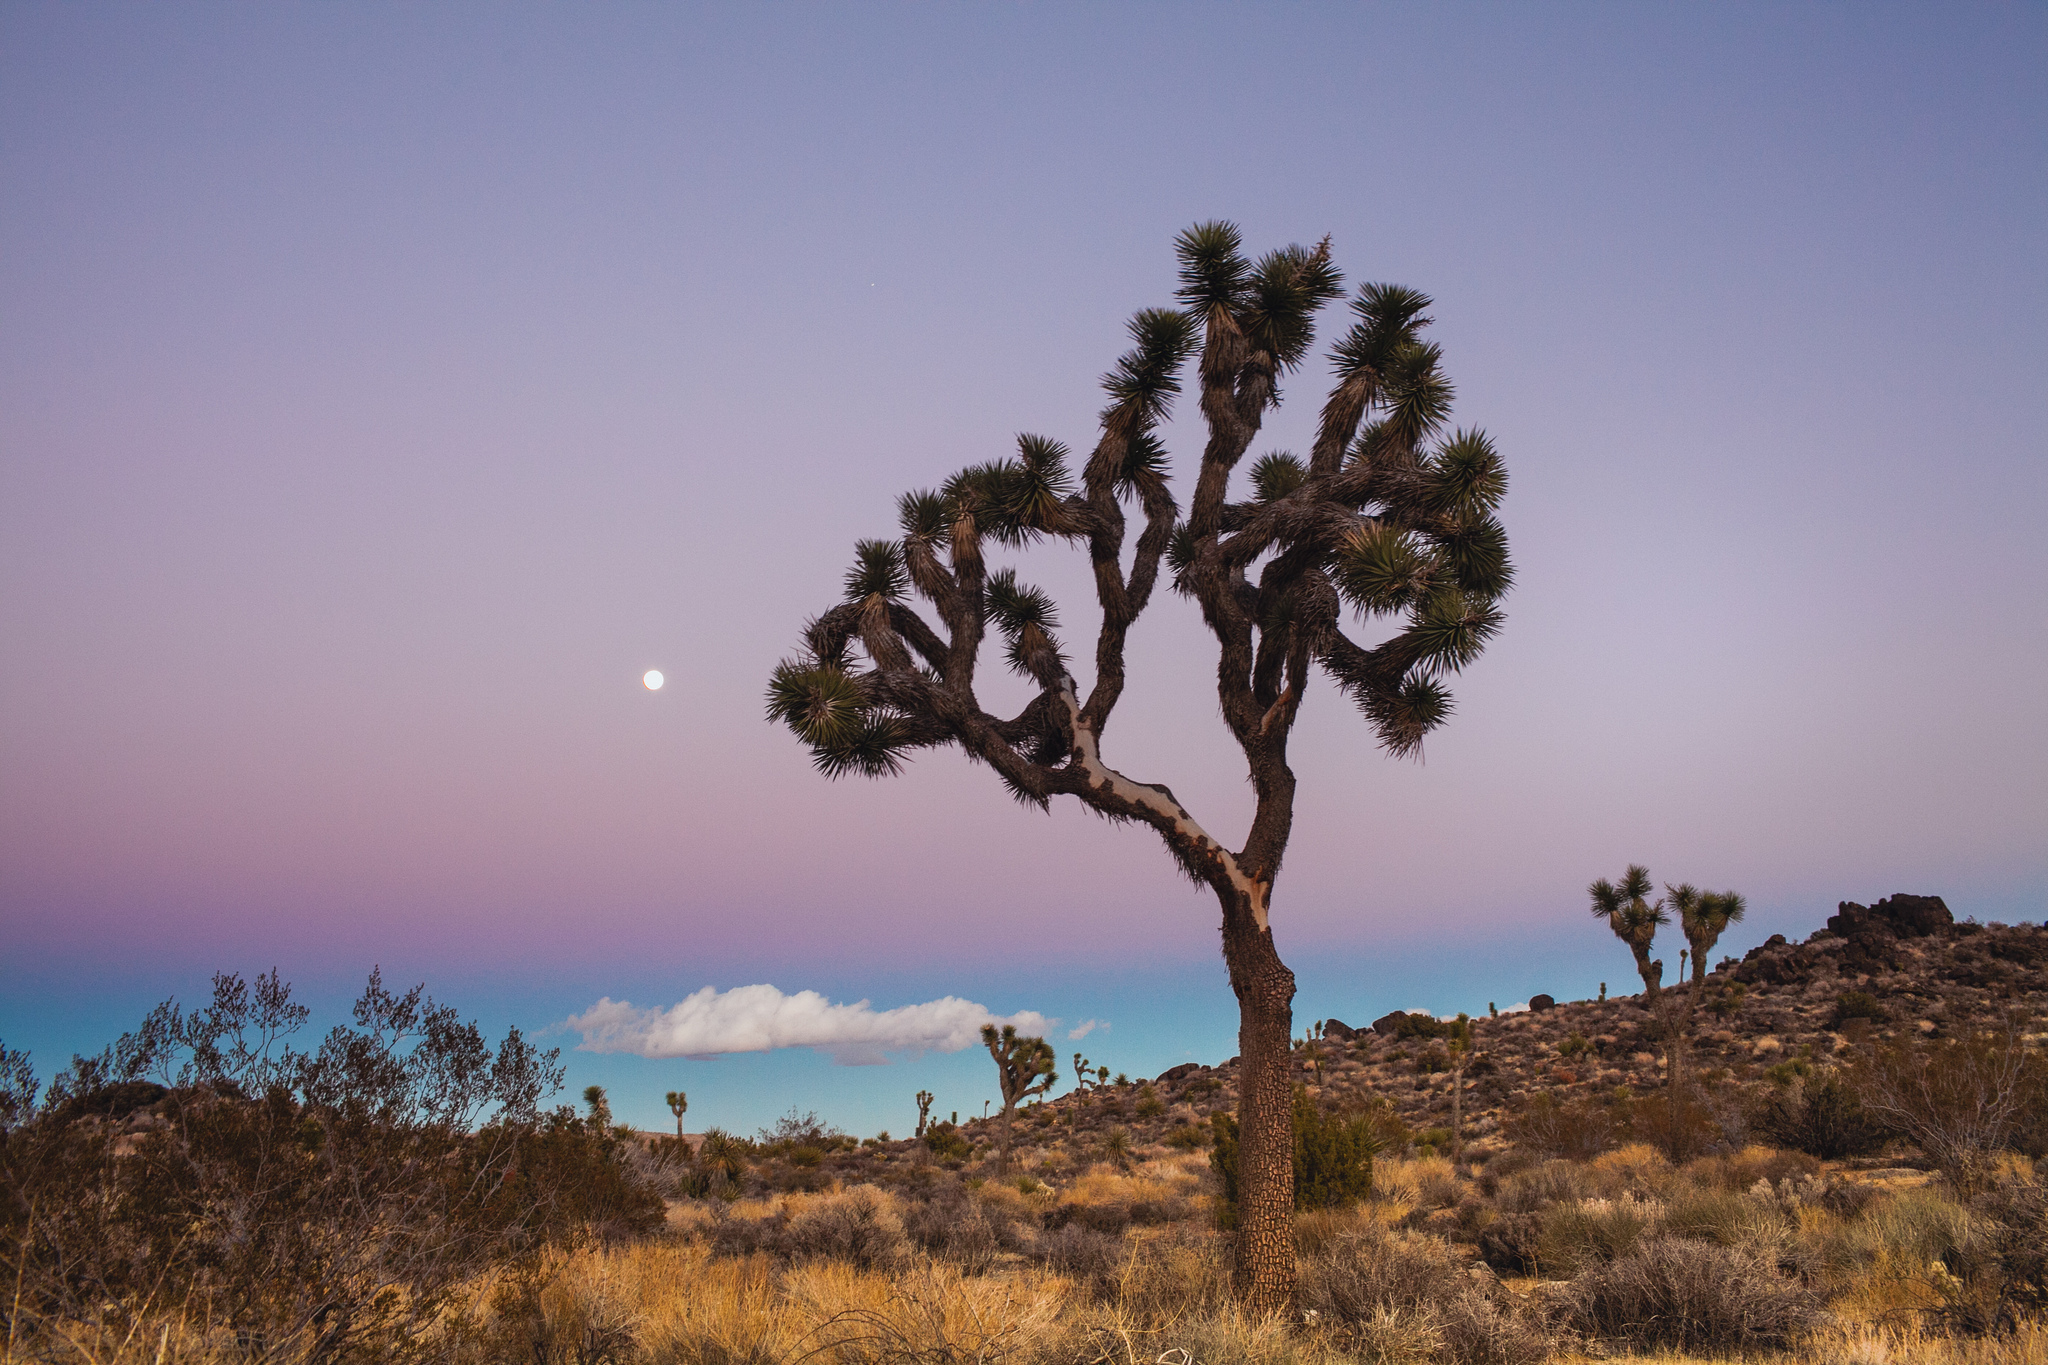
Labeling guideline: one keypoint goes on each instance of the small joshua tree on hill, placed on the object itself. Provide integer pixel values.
(924, 1111)
(1024, 1067)
(1389, 515)
(1634, 920)
(678, 1104)
(1704, 916)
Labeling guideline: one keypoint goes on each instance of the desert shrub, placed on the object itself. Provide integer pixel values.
(1513, 1243)
(732, 1235)
(1437, 1185)
(1690, 1296)
(1373, 1282)
(1088, 1257)
(969, 1233)
(1553, 1182)
(1681, 1127)
(1994, 1275)
(1638, 1169)
(946, 1142)
(1856, 1005)
(1187, 1137)
(326, 1202)
(1959, 1100)
(1576, 1130)
(857, 1228)
(1738, 1172)
(1150, 1106)
(1168, 1279)
(1576, 1236)
(1728, 1220)
(1821, 1116)
(1169, 1208)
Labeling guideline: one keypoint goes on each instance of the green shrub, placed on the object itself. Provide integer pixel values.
(1856, 1005)
(1187, 1138)
(1332, 1158)
(946, 1142)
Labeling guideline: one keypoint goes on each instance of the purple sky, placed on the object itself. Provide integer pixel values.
(384, 389)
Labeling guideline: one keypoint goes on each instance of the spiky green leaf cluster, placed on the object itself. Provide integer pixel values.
(1468, 477)
(1276, 475)
(828, 709)
(1145, 464)
(877, 572)
(1389, 316)
(1142, 386)
(1278, 308)
(1012, 501)
(1213, 270)
(1018, 610)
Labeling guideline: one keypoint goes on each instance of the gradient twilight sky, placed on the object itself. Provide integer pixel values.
(384, 388)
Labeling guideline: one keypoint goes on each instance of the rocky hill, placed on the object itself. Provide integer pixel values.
(1902, 965)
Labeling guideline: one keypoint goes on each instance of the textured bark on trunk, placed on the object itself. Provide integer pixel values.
(1264, 1270)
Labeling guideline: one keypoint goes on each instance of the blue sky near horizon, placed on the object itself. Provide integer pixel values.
(383, 389)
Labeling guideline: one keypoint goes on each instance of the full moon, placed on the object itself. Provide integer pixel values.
(652, 677)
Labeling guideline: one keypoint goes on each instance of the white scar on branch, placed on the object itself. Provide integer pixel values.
(1101, 775)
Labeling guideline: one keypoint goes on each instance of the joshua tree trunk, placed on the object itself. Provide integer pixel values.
(1458, 1115)
(1264, 1270)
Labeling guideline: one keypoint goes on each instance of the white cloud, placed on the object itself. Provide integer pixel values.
(1075, 1035)
(759, 1018)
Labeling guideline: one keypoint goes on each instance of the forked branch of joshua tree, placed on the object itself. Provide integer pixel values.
(1373, 519)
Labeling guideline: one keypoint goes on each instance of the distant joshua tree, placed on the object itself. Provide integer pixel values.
(1633, 919)
(1705, 916)
(1459, 1044)
(1024, 1067)
(600, 1107)
(1390, 515)
(678, 1104)
(924, 1111)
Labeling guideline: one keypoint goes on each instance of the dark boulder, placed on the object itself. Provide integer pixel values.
(1898, 915)
(1174, 1073)
(1775, 962)
(1338, 1029)
(1389, 1025)
(1540, 1003)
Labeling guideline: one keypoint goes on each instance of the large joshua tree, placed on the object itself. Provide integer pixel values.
(1388, 515)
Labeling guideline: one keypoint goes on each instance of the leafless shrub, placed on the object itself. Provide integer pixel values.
(1553, 1182)
(857, 1227)
(1082, 1254)
(1373, 1285)
(1576, 1237)
(967, 1232)
(1690, 1296)
(1958, 1099)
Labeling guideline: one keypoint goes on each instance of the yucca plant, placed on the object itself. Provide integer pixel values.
(1390, 515)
